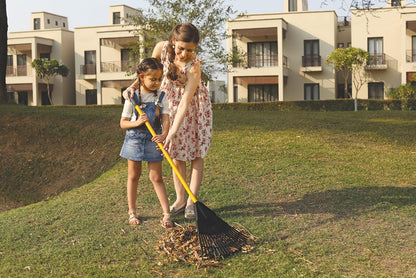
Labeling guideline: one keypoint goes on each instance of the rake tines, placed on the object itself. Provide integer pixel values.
(216, 237)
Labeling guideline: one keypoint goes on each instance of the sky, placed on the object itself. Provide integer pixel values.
(83, 13)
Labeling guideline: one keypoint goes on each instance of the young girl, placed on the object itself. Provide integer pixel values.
(139, 145)
(190, 110)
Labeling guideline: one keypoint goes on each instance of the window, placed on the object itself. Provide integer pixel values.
(262, 54)
(348, 44)
(413, 49)
(341, 91)
(311, 91)
(375, 48)
(10, 60)
(22, 98)
(396, 3)
(9, 67)
(125, 58)
(340, 45)
(45, 98)
(56, 23)
(261, 93)
(91, 96)
(235, 94)
(49, 21)
(21, 65)
(116, 18)
(36, 23)
(63, 24)
(90, 62)
(376, 90)
(311, 56)
(293, 5)
(45, 56)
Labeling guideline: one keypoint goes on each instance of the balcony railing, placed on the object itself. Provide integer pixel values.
(311, 61)
(89, 69)
(19, 71)
(117, 66)
(410, 55)
(259, 61)
(377, 60)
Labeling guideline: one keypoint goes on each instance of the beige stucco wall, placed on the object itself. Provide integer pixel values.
(388, 24)
(61, 42)
(102, 39)
(299, 26)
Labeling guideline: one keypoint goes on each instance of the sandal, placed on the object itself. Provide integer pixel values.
(190, 212)
(166, 221)
(175, 211)
(133, 220)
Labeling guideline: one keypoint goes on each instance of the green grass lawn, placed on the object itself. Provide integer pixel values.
(326, 194)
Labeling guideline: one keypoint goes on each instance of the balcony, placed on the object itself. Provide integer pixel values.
(18, 71)
(88, 69)
(261, 61)
(410, 56)
(116, 66)
(377, 62)
(311, 63)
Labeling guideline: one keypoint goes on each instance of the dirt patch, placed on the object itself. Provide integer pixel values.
(52, 151)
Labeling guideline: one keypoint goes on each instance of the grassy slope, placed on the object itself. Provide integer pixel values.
(327, 195)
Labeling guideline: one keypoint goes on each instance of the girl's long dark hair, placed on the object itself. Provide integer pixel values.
(145, 65)
(185, 32)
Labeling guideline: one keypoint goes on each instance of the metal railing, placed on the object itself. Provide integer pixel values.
(377, 60)
(311, 61)
(116, 66)
(18, 71)
(89, 69)
(259, 61)
(410, 56)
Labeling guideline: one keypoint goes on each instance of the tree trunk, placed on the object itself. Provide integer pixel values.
(3, 51)
(49, 92)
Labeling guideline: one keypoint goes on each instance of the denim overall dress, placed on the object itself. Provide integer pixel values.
(138, 145)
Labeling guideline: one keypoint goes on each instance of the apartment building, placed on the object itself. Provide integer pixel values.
(50, 38)
(103, 67)
(389, 35)
(282, 55)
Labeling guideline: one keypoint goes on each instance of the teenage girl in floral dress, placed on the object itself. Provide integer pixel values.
(190, 110)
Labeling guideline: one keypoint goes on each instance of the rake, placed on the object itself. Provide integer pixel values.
(216, 237)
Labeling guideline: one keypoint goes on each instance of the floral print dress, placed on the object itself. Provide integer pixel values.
(194, 136)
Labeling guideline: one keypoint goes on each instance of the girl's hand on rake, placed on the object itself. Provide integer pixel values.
(142, 119)
(159, 138)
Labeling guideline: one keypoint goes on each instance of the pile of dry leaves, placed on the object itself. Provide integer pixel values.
(182, 244)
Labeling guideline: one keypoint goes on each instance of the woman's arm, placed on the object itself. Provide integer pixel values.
(157, 50)
(194, 77)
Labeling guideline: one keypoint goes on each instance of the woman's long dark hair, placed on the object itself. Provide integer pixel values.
(185, 32)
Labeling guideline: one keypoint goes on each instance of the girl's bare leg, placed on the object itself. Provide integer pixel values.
(180, 190)
(155, 176)
(134, 172)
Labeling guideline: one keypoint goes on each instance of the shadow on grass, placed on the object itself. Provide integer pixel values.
(342, 203)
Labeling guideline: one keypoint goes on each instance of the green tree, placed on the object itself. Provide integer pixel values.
(404, 93)
(351, 61)
(209, 16)
(47, 70)
(3, 51)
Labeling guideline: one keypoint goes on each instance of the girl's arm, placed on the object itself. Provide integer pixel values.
(194, 77)
(125, 122)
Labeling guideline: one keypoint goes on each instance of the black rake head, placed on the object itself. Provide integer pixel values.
(216, 237)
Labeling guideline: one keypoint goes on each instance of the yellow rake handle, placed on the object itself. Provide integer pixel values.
(152, 131)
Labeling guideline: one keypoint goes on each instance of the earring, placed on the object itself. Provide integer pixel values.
(173, 46)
